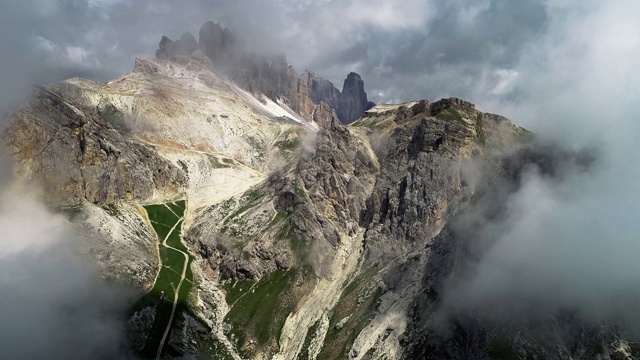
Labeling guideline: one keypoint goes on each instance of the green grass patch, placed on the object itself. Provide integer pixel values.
(213, 349)
(481, 136)
(280, 215)
(235, 289)
(358, 301)
(249, 200)
(451, 114)
(261, 312)
(164, 218)
(299, 189)
(366, 123)
(298, 247)
(113, 116)
(218, 163)
(289, 144)
(71, 212)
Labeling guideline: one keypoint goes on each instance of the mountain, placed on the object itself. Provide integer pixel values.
(312, 97)
(253, 224)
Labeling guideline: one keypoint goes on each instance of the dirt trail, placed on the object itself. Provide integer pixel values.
(185, 265)
(176, 291)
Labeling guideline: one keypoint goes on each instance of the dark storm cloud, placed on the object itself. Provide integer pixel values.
(414, 49)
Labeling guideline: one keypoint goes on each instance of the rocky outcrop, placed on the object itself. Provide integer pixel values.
(325, 116)
(184, 47)
(272, 76)
(217, 43)
(353, 99)
(80, 155)
(339, 248)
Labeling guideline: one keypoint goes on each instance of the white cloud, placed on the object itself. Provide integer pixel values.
(506, 81)
(44, 44)
(76, 54)
(389, 15)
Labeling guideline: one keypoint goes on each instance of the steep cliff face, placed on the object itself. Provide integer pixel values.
(78, 155)
(307, 94)
(353, 100)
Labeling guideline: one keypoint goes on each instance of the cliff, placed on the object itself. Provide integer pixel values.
(310, 96)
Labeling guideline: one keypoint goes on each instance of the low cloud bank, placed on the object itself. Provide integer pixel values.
(53, 304)
(569, 242)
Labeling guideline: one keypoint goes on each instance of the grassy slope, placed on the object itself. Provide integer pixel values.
(163, 218)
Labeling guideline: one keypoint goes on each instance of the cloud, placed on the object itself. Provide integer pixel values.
(570, 242)
(424, 47)
(53, 305)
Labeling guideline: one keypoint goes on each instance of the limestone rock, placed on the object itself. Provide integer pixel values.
(78, 156)
(353, 99)
(217, 43)
(272, 76)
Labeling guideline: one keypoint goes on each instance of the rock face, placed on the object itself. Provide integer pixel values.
(305, 244)
(78, 155)
(307, 94)
(217, 43)
(353, 100)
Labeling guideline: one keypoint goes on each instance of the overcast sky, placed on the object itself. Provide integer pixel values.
(404, 50)
(566, 69)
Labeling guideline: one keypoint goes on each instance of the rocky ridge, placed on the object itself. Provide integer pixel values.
(310, 96)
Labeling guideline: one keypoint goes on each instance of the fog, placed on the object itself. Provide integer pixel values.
(568, 243)
(54, 305)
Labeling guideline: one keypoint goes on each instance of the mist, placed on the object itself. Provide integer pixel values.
(568, 242)
(54, 304)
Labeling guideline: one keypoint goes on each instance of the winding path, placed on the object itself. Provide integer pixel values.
(176, 291)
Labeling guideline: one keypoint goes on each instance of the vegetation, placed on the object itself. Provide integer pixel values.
(236, 289)
(219, 163)
(249, 200)
(526, 135)
(183, 166)
(299, 189)
(451, 114)
(480, 134)
(367, 123)
(113, 116)
(359, 302)
(311, 333)
(214, 350)
(166, 220)
(71, 212)
(288, 144)
(259, 313)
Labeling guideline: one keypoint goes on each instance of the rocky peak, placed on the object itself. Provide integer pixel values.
(169, 49)
(311, 96)
(353, 100)
(218, 43)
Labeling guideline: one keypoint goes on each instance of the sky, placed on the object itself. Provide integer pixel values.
(565, 69)
(403, 50)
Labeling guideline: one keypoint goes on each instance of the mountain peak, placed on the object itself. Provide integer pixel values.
(309, 95)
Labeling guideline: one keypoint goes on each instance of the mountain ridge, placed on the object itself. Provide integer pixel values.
(311, 96)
